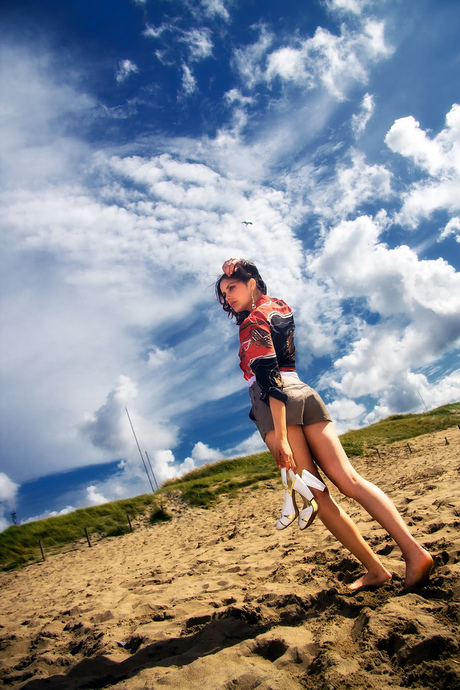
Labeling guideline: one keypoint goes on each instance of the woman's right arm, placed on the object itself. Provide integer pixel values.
(229, 266)
(282, 449)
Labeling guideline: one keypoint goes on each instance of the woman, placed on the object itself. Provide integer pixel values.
(296, 427)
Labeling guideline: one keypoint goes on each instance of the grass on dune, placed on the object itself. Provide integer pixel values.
(203, 486)
(400, 427)
(200, 487)
(21, 544)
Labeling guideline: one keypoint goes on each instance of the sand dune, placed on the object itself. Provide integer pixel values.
(218, 599)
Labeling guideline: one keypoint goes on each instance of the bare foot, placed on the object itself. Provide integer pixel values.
(370, 581)
(418, 569)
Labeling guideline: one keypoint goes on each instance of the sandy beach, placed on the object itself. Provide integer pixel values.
(219, 599)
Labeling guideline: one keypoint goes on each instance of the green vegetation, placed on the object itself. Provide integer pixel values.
(400, 427)
(203, 486)
(200, 487)
(159, 514)
(21, 544)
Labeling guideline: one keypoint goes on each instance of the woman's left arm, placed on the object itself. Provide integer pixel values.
(283, 451)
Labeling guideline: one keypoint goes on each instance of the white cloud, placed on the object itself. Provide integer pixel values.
(4, 523)
(348, 6)
(249, 446)
(341, 193)
(199, 44)
(164, 461)
(240, 106)
(346, 414)
(359, 121)
(50, 513)
(125, 68)
(415, 393)
(132, 478)
(156, 32)
(249, 61)
(8, 493)
(393, 280)
(35, 144)
(235, 96)
(166, 465)
(216, 8)
(202, 453)
(418, 302)
(94, 497)
(158, 358)
(358, 184)
(8, 488)
(438, 157)
(327, 60)
(179, 49)
(104, 427)
(406, 137)
(289, 64)
(188, 81)
(452, 228)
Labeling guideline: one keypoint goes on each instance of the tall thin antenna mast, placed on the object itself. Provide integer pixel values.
(140, 452)
(424, 403)
(151, 469)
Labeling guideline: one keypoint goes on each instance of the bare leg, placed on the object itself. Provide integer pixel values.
(333, 517)
(331, 457)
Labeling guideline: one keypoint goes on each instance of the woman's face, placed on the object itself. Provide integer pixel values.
(237, 294)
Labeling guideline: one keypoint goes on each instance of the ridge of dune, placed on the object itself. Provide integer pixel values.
(219, 599)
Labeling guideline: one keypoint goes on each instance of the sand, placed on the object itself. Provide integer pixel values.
(219, 599)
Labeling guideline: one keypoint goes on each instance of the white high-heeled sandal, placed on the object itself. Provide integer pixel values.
(290, 510)
(302, 485)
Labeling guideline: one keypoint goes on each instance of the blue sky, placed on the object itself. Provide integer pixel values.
(136, 136)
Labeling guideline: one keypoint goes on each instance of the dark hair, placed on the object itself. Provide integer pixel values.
(243, 271)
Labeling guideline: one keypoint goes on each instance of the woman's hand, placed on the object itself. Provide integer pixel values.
(283, 454)
(229, 266)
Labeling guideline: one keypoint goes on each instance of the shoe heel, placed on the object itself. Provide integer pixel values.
(299, 485)
(310, 480)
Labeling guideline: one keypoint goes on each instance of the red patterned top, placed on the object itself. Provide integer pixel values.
(267, 346)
